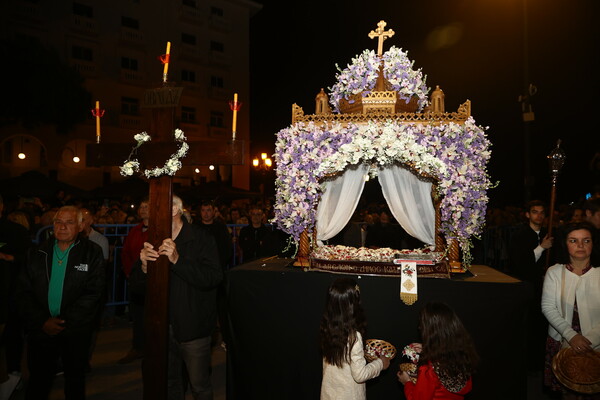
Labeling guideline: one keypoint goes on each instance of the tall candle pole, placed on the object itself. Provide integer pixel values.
(235, 107)
(97, 113)
(165, 60)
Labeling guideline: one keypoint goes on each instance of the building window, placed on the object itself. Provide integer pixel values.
(216, 119)
(216, 11)
(217, 46)
(130, 106)
(188, 39)
(82, 53)
(129, 63)
(83, 10)
(188, 76)
(190, 3)
(216, 81)
(188, 114)
(130, 23)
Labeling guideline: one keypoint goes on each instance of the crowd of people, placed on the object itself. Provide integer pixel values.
(49, 328)
(57, 322)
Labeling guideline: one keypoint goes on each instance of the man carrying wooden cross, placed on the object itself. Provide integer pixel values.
(194, 274)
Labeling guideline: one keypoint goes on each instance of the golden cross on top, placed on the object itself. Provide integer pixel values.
(382, 35)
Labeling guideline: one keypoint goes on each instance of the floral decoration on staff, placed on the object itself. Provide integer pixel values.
(171, 166)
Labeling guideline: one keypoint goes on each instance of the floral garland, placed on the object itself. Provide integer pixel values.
(454, 154)
(361, 76)
(171, 166)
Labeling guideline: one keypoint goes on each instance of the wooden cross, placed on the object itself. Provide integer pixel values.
(162, 103)
(381, 34)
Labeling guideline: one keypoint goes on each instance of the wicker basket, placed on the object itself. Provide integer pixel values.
(374, 348)
(578, 371)
(411, 370)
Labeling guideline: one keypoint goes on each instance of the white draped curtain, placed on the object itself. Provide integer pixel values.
(409, 199)
(339, 200)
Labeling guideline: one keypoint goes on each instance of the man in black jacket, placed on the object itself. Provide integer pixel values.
(527, 251)
(58, 295)
(194, 276)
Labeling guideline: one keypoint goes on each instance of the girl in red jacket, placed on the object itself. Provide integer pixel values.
(447, 360)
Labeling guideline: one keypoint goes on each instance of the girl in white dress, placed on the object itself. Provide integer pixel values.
(343, 326)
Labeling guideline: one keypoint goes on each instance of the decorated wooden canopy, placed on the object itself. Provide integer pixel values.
(380, 120)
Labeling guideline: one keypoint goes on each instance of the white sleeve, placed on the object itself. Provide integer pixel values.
(551, 304)
(361, 371)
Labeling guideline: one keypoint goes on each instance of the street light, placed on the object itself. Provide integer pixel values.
(262, 163)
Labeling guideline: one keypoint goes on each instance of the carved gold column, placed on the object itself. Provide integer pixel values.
(303, 250)
(439, 239)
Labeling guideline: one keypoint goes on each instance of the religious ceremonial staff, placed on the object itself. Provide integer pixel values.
(556, 160)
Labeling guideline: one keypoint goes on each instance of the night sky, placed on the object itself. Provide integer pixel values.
(472, 49)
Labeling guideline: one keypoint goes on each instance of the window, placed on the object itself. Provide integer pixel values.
(216, 11)
(130, 23)
(217, 46)
(82, 53)
(129, 63)
(130, 106)
(83, 10)
(216, 81)
(190, 3)
(216, 119)
(188, 39)
(188, 76)
(188, 114)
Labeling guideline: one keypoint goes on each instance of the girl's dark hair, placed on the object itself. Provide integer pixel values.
(563, 256)
(446, 342)
(342, 318)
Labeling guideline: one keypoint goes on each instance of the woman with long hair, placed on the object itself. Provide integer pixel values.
(571, 301)
(343, 327)
(447, 360)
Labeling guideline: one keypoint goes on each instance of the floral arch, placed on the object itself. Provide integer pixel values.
(367, 135)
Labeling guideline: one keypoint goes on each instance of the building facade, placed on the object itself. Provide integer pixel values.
(114, 45)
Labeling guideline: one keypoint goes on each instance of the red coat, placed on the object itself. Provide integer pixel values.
(429, 387)
(134, 242)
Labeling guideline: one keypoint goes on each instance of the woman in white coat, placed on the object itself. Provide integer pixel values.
(571, 300)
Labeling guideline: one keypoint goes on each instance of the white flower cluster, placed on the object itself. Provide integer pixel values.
(171, 166)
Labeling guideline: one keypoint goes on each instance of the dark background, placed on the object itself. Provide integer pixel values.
(484, 51)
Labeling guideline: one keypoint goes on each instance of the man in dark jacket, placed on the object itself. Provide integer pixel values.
(528, 244)
(194, 276)
(58, 295)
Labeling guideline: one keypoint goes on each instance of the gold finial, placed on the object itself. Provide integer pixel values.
(381, 34)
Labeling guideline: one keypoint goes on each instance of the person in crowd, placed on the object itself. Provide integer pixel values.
(58, 295)
(448, 357)
(571, 300)
(134, 243)
(257, 240)
(195, 274)
(19, 217)
(14, 242)
(103, 215)
(592, 212)
(89, 232)
(219, 231)
(527, 245)
(342, 329)
(92, 234)
(384, 233)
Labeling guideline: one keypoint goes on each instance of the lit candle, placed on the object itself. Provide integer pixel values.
(98, 121)
(235, 98)
(167, 56)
